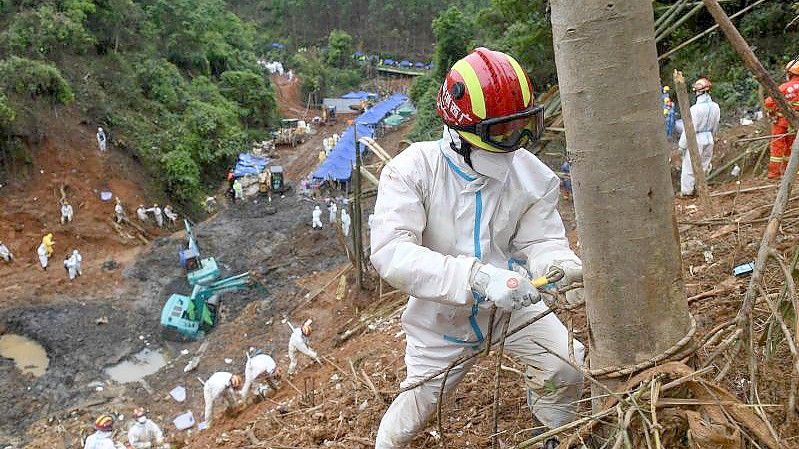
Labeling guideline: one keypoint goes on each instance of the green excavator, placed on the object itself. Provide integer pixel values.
(193, 316)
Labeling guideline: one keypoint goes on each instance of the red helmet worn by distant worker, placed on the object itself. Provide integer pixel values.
(488, 99)
(792, 67)
(702, 85)
(104, 423)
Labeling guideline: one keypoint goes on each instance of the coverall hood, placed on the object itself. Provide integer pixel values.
(495, 165)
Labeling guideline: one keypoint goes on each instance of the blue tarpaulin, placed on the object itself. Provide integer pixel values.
(250, 165)
(379, 111)
(278, 45)
(405, 63)
(388, 61)
(359, 95)
(338, 165)
(419, 65)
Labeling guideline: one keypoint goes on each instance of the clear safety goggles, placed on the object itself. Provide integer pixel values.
(511, 132)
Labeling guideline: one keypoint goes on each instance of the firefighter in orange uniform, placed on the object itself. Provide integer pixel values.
(781, 146)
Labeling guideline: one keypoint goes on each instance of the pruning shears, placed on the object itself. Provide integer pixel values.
(553, 275)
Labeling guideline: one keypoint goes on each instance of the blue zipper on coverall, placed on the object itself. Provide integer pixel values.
(478, 210)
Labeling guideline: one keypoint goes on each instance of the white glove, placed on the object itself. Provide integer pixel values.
(509, 290)
(572, 271)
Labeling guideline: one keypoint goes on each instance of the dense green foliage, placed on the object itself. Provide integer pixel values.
(393, 27)
(522, 29)
(330, 70)
(175, 82)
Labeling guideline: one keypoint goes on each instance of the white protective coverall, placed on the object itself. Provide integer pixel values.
(434, 218)
(299, 342)
(159, 218)
(256, 366)
(5, 254)
(215, 386)
(144, 435)
(316, 215)
(119, 211)
(101, 139)
(170, 214)
(332, 209)
(706, 115)
(66, 213)
(41, 251)
(72, 265)
(101, 440)
(345, 222)
(141, 212)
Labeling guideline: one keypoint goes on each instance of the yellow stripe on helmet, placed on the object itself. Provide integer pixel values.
(475, 140)
(472, 86)
(522, 80)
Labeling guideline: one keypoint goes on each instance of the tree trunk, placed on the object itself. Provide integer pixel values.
(608, 75)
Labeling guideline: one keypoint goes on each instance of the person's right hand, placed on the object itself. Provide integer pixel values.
(507, 289)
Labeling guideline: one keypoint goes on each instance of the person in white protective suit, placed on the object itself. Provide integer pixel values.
(141, 213)
(144, 433)
(451, 218)
(316, 216)
(706, 116)
(41, 252)
(157, 213)
(256, 366)
(101, 139)
(5, 253)
(103, 436)
(331, 212)
(66, 212)
(119, 211)
(299, 343)
(220, 383)
(346, 221)
(72, 264)
(170, 215)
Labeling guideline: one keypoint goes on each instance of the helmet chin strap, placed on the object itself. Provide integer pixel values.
(465, 149)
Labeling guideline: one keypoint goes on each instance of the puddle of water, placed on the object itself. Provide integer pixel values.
(29, 356)
(142, 364)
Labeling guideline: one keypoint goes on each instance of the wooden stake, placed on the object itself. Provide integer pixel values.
(357, 236)
(690, 134)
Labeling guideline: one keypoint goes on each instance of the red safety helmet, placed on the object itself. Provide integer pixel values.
(702, 85)
(488, 99)
(104, 423)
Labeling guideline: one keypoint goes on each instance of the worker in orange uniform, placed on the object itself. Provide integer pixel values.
(781, 146)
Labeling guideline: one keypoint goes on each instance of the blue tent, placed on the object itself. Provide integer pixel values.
(388, 61)
(248, 164)
(359, 95)
(405, 63)
(379, 111)
(338, 165)
(278, 45)
(419, 65)
(358, 54)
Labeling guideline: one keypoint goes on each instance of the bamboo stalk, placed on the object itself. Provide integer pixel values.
(706, 32)
(660, 36)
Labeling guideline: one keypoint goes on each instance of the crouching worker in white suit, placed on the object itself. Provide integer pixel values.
(256, 366)
(450, 219)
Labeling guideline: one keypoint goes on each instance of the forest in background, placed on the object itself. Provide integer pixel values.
(178, 86)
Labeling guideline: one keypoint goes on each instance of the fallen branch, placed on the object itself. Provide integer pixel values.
(746, 190)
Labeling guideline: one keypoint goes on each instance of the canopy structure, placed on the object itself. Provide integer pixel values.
(405, 63)
(249, 164)
(359, 95)
(338, 165)
(388, 61)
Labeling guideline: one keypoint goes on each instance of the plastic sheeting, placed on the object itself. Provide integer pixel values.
(249, 164)
(338, 165)
(359, 95)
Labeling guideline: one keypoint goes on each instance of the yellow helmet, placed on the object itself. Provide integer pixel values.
(104, 423)
(792, 67)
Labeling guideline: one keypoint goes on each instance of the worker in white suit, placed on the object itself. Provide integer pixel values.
(144, 433)
(452, 217)
(219, 384)
(300, 337)
(706, 116)
(259, 365)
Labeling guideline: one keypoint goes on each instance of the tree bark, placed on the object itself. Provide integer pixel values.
(700, 185)
(608, 76)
